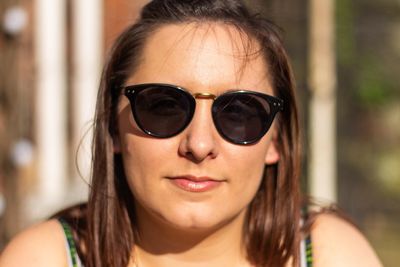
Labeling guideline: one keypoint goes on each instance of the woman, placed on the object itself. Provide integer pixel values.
(196, 155)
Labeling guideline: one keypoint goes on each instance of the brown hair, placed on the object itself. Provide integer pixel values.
(272, 231)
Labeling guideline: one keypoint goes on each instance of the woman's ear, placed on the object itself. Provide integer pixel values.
(272, 155)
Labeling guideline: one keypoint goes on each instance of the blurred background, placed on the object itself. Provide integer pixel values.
(346, 59)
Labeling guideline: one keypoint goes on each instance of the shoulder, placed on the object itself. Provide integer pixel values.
(40, 245)
(336, 242)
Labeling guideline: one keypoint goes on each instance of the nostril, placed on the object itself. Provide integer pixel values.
(191, 157)
(198, 145)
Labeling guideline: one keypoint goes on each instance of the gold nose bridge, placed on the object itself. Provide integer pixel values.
(204, 96)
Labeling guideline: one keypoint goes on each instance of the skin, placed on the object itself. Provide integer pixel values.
(200, 60)
(172, 221)
(178, 227)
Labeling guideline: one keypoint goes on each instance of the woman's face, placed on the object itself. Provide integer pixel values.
(197, 179)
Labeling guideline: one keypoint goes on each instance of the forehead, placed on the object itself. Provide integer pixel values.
(205, 54)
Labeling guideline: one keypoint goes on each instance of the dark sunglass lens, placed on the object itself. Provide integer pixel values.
(162, 111)
(241, 118)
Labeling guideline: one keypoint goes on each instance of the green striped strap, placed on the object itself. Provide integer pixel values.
(307, 240)
(71, 243)
(308, 247)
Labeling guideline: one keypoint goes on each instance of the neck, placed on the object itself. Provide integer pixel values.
(162, 245)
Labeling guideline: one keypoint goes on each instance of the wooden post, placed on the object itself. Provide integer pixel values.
(322, 81)
(50, 115)
(87, 29)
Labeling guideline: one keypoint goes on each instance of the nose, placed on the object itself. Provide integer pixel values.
(199, 140)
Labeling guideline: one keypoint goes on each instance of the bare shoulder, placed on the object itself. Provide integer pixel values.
(40, 245)
(338, 243)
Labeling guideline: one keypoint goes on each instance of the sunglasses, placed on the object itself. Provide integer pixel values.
(164, 110)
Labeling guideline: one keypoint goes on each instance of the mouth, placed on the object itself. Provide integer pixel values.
(195, 183)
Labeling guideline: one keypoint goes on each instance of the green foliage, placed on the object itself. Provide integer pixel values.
(345, 32)
(388, 171)
(362, 57)
(373, 87)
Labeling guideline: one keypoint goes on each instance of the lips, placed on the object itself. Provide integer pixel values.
(194, 183)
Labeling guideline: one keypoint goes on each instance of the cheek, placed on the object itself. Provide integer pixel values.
(250, 159)
(139, 169)
(138, 156)
(134, 164)
(248, 163)
(250, 177)
(144, 159)
(133, 144)
(247, 166)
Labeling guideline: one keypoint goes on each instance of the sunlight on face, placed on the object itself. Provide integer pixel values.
(163, 173)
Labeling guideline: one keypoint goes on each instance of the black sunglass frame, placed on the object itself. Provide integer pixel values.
(131, 92)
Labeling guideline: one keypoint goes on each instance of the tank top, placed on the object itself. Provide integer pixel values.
(75, 261)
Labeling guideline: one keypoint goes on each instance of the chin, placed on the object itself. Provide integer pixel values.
(199, 222)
